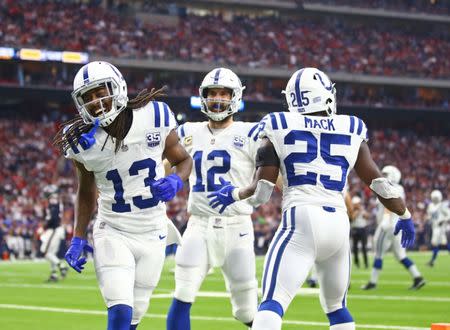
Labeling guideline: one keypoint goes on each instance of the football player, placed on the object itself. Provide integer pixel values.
(54, 233)
(219, 147)
(314, 149)
(438, 213)
(117, 146)
(384, 237)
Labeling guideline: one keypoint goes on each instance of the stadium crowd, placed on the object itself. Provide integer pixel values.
(332, 43)
(437, 7)
(30, 164)
(257, 88)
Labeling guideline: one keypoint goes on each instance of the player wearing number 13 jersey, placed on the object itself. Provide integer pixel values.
(314, 149)
(117, 146)
(220, 147)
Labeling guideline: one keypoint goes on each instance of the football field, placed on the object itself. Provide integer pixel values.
(27, 303)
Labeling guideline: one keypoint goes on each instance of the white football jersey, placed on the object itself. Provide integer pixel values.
(316, 154)
(123, 179)
(438, 213)
(386, 218)
(229, 153)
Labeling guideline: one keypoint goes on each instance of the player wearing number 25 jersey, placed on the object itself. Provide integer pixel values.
(117, 146)
(220, 147)
(314, 149)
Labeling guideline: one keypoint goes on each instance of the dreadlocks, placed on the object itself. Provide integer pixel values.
(71, 130)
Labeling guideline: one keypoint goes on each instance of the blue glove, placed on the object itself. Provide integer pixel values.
(87, 140)
(223, 196)
(73, 254)
(408, 232)
(166, 188)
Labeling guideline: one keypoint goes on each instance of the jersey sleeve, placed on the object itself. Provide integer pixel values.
(164, 117)
(254, 140)
(358, 128)
(265, 128)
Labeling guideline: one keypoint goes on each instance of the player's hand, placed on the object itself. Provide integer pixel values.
(408, 232)
(77, 247)
(166, 188)
(223, 196)
(87, 140)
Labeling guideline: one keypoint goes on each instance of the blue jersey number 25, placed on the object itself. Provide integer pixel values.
(326, 140)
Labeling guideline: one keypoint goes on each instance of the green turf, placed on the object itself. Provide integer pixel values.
(76, 303)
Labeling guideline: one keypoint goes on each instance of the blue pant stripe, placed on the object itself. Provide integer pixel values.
(280, 255)
(272, 248)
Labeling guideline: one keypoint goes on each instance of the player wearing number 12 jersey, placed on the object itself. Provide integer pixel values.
(220, 147)
(314, 149)
(117, 146)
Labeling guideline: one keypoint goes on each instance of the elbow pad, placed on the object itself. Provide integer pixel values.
(384, 188)
(262, 193)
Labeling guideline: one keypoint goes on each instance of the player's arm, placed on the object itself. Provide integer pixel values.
(260, 190)
(349, 205)
(177, 157)
(267, 170)
(85, 199)
(166, 188)
(368, 171)
(84, 208)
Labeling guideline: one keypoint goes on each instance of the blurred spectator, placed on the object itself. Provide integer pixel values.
(334, 43)
(439, 7)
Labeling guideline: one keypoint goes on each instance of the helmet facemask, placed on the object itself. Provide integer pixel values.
(216, 107)
(105, 108)
(220, 78)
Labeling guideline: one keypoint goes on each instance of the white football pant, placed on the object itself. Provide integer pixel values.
(128, 266)
(226, 242)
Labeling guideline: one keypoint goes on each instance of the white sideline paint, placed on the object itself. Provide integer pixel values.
(198, 318)
(220, 294)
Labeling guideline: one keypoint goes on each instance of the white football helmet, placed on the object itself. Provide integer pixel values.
(221, 78)
(392, 173)
(310, 90)
(436, 196)
(100, 74)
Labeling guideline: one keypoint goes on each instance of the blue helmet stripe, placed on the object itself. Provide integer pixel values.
(115, 71)
(85, 74)
(216, 76)
(298, 95)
